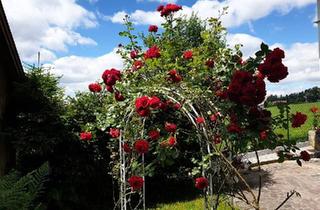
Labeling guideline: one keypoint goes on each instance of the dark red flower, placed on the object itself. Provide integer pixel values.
(126, 148)
(111, 76)
(168, 9)
(272, 67)
(214, 117)
(85, 136)
(152, 52)
(298, 119)
(187, 55)
(314, 109)
(142, 106)
(170, 127)
(137, 64)
(133, 54)
(174, 76)
(201, 183)
(234, 128)
(141, 146)
(95, 87)
(109, 88)
(154, 134)
(263, 135)
(200, 120)
(114, 132)
(210, 63)
(172, 141)
(223, 94)
(135, 182)
(154, 102)
(118, 96)
(217, 139)
(304, 155)
(246, 89)
(177, 106)
(153, 28)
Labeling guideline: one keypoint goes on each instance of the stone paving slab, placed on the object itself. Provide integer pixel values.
(280, 178)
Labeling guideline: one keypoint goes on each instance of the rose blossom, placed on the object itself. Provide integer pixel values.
(133, 54)
(154, 134)
(141, 146)
(168, 9)
(187, 55)
(314, 109)
(152, 52)
(305, 155)
(114, 132)
(153, 28)
(111, 76)
(201, 183)
(170, 127)
(172, 141)
(137, 64)
(200, 120)
(126, 148)
(174, 76)
(298, 119)
(263, 135)
(154, 102)
(210, 63)
(85, 136)
(118, 96)
(95, 87)
(135, 182)
(234, 128)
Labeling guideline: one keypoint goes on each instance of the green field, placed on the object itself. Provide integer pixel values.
(301, 133)
(189, 205)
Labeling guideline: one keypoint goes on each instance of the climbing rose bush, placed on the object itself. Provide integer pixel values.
(186, 90)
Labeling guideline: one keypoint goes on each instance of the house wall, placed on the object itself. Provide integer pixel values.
(3, 101)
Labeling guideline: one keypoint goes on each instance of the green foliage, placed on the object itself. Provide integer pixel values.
(20, 193)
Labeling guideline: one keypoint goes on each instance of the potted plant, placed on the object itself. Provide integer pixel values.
(314, 134)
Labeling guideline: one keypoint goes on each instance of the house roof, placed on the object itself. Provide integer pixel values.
(10, 57)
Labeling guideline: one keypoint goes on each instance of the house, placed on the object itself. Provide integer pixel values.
(11, 70)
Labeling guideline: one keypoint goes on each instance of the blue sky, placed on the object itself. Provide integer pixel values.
(78, 38)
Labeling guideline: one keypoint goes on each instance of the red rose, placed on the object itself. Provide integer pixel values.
(141, 146)
(126, 148)
(217, 139)
(143, 112)
(200, 120)
(210, 63)
(272, 67)
(133, 54)
(314, 109)
(109, 88)
(174, 76)
(135, 182)
(170, 127)
(263, 135)
(154, 134)
(137, 64)
(305, 155)
(187, 55)
(142, 106)
(298, 119)
(172, 141)
(85, 136)
(234, 128)
(118, 96)
(168, 9)
(152, 52)
(177, 106)
(201, 183)
(153, 28)
(111, 76)
(213, 117)
(154, 102)
(95, 87)
(114, 132)
(222, 94)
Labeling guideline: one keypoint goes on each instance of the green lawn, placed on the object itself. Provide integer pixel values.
(301, 133)
(196, 204)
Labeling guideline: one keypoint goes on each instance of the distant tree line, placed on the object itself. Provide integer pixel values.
(308, 95)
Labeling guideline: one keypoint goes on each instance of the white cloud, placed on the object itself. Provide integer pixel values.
(78, 72)
(47, 26)
(137, 17)
(250, 43)
(239, 11)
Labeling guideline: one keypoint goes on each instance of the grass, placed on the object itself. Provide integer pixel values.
(196, 204)
(301, 133)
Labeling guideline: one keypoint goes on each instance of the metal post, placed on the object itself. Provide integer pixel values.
(318, 22)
